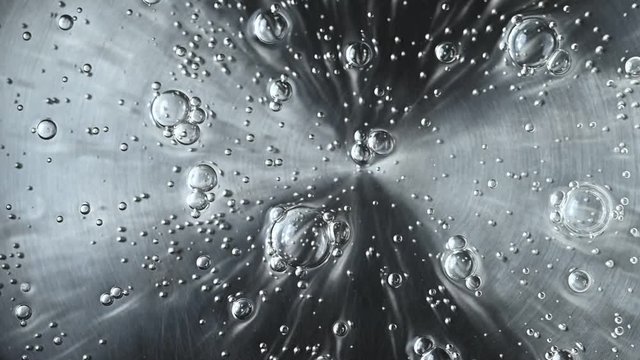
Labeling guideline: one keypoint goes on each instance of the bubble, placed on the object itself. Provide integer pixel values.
(186, 133)
(531, 42)
(340, 232)
(170, 108)
(381, 142)
(632, 66)
(456, 242)
(579, 281)
(65, 22)
(360, 154)
(203, 262)
(280, 90)
(584, 211)
(22, 312)
(459, 264)
(559, 63)
(436, 353)
(150, 2)
(242, 308)
(562, 355)
(395, 280)
(422, 345)
(116, 292)
(106, 299)
(277, 264)
(85, 208)
(358, 54)
(202, 177)
(270, 26)
(26, 36)
(446, 52)
(197, 116)
(46, 129)
(472, 282)
(300, 237)
(340, 328)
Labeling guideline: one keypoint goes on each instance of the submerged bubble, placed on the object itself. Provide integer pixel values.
(358, 54)
(106, 299)
(381, 142)
(395, 280)
(202, 177)
(562, 355)
(197, 200)
(65, 22)
(22, 312)
(186, 133)
(559, 63)
(85, 208)
(421, 345)
(531, 42)
(242, 309)
(300, 237)
(203, 262)
(169, 108)
(632, 66)
(360, 154)
(436, 353)
(280, 90)
(579, 281)
(584, 211)
(446, 52)
(456, 242)
(303, 237)
(459, 264)
(270, 26)
(46, 129)
(340, 328)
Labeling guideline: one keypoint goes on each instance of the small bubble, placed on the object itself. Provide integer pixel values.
(65, 22)
(203, 262)
(358, 55)
(446, 52)
(242, 309)
(579, 281)
(46, 129)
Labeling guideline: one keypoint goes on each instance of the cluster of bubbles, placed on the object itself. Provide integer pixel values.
(46, 129)
(242, 308)
(270, 26)
(202, 179)
(280, 90)
(178, 116)
(304, 237)
(532, 43)
(426, 349)
(460, 262)
(584, 210)
(376, 142)
(358, 55)
(578, 280)
(114, 293)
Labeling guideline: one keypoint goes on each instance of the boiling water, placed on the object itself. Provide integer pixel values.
(338, 179)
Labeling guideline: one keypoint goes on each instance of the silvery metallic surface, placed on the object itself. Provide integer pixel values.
(319, 179)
